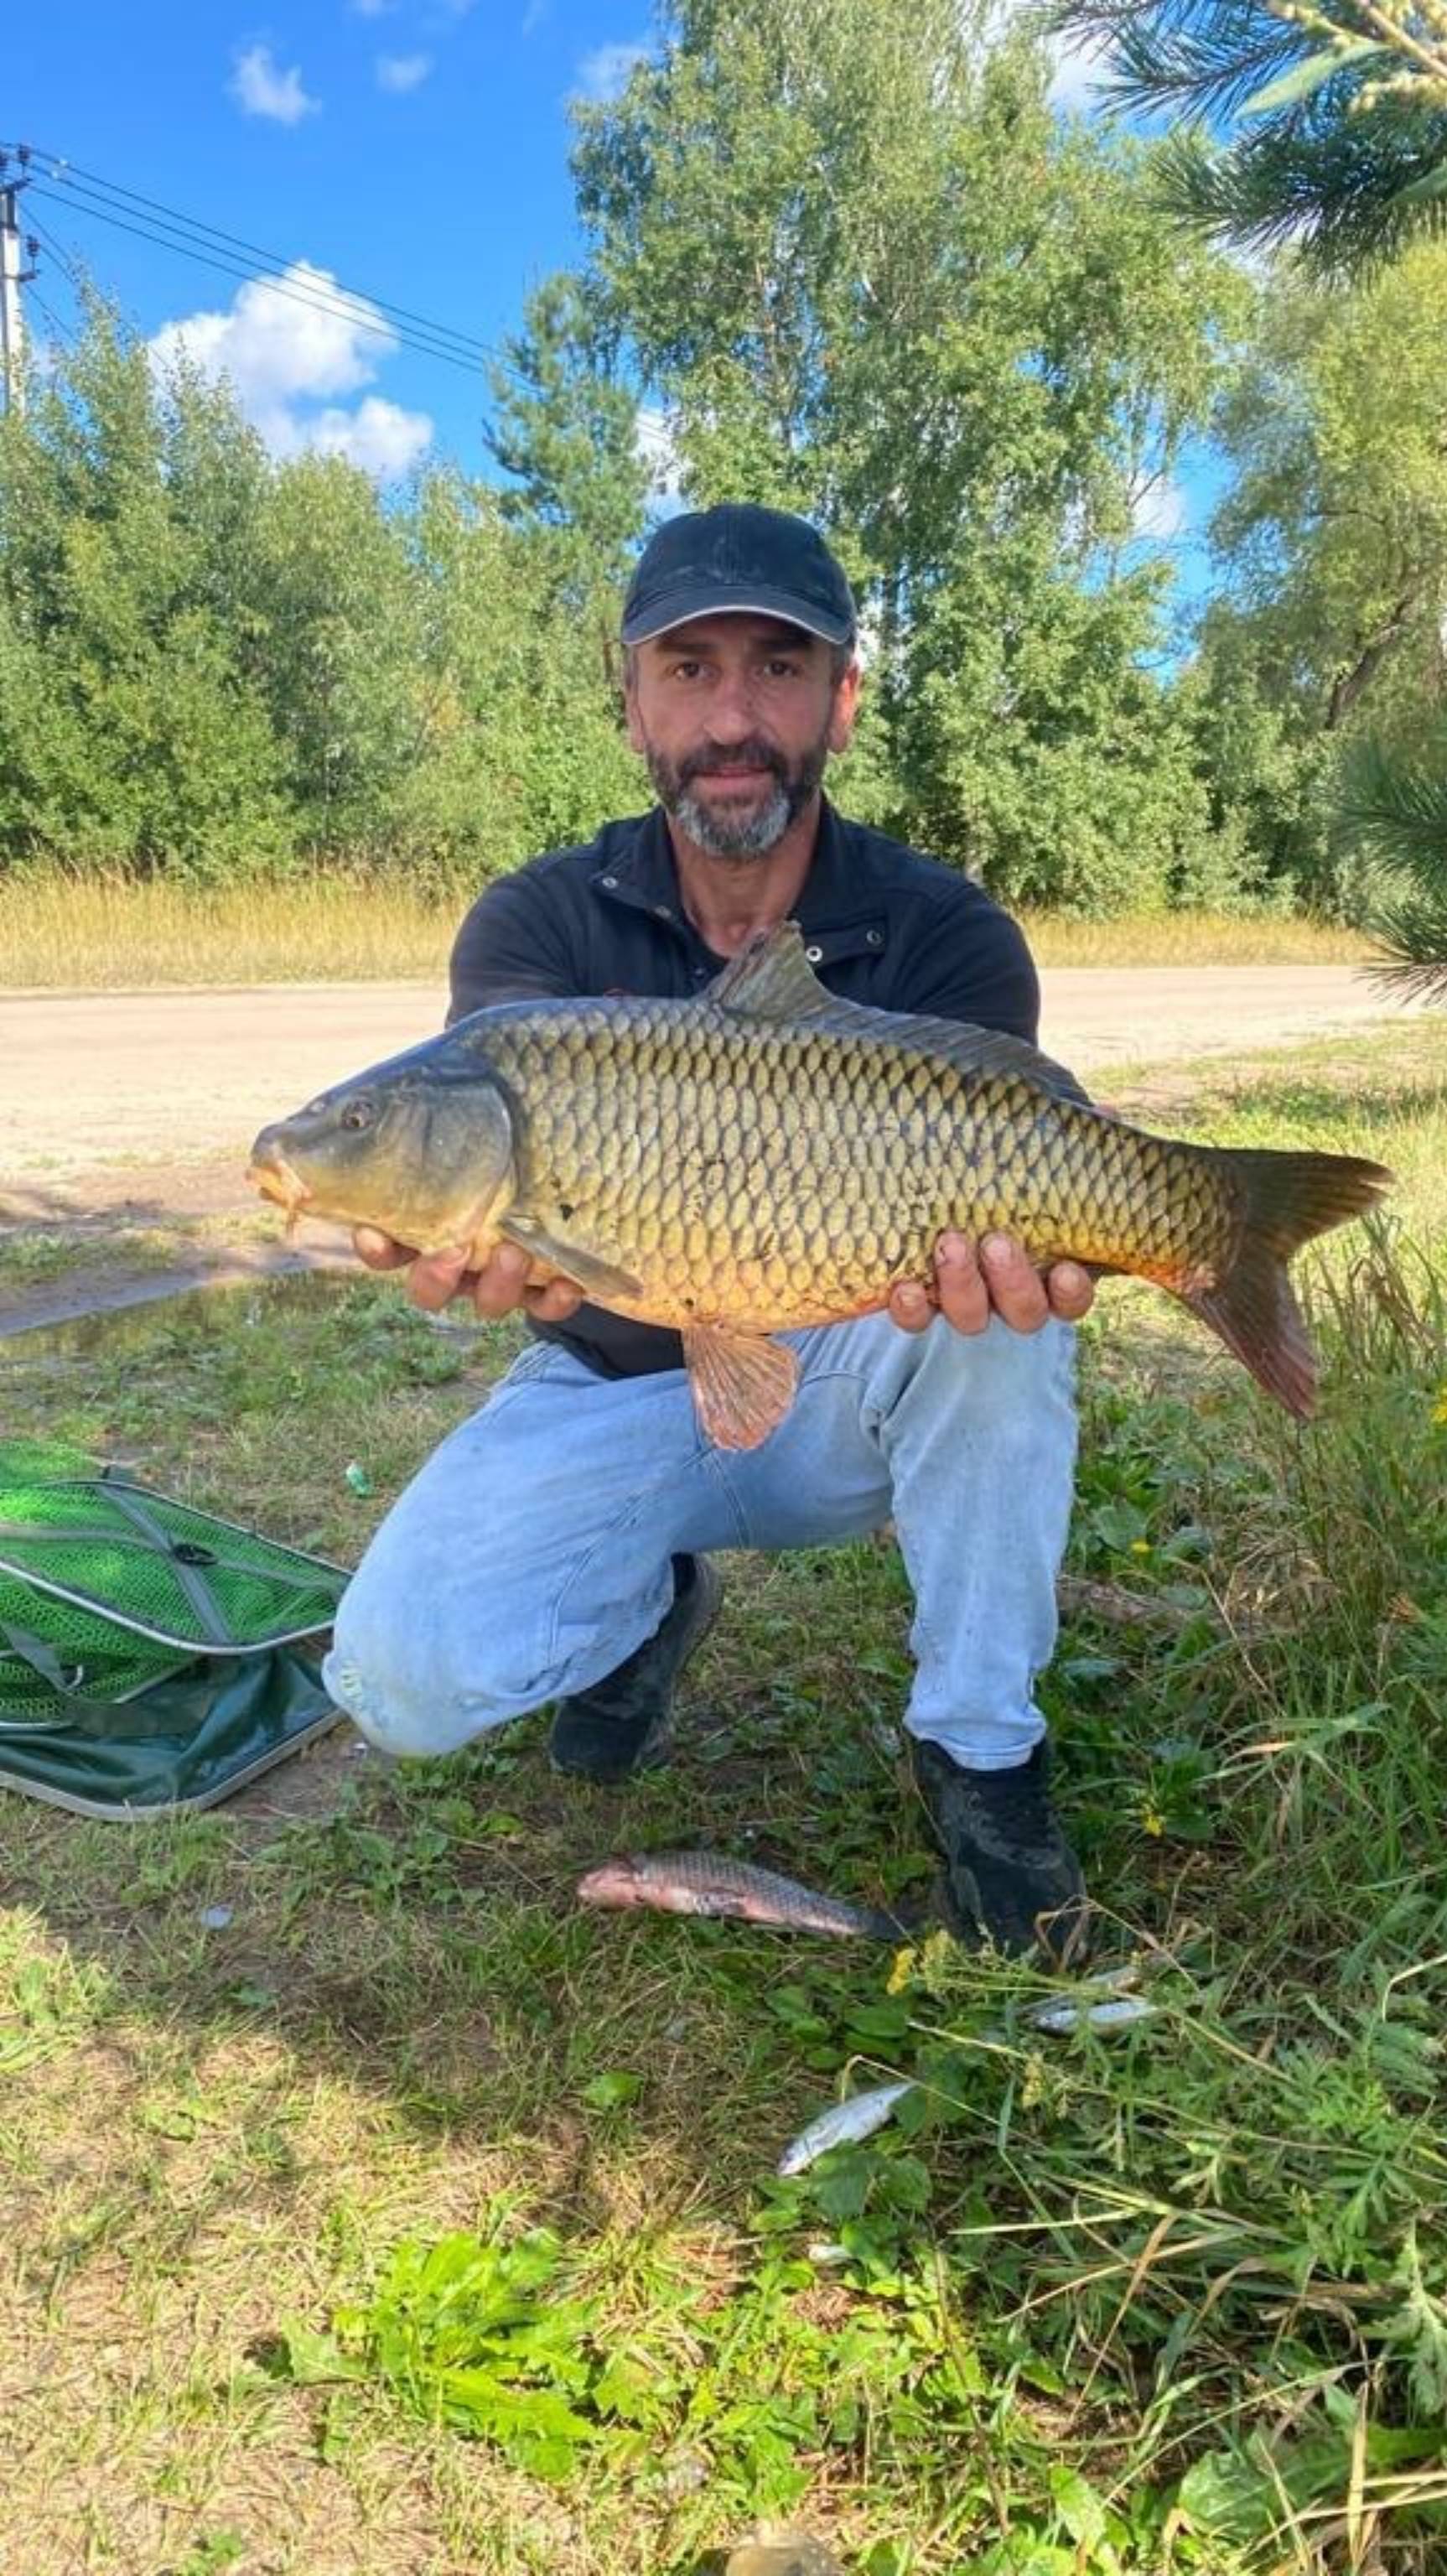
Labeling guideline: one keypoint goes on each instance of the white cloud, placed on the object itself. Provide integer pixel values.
(379, 436)
(604, 73)
(261, 88)
(284, 352)
(533, 16)
(401, 72)
(1160, 510)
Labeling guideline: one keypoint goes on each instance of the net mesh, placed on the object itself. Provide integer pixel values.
(182, 1577)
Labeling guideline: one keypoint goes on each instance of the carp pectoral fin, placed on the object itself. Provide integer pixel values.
(599, 1279)
(743, 1383)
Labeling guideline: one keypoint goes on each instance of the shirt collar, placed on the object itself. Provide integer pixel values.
(838, 888)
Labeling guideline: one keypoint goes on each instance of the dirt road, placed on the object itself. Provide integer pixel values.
(89, 1081)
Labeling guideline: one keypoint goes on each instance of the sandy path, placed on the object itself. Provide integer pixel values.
(168, 1078)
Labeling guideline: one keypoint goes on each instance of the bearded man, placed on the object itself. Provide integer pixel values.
(559, 1546)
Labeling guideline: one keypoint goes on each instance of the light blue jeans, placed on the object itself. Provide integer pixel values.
(531, 1554)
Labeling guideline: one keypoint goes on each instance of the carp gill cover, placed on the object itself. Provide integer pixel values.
(768, 1157)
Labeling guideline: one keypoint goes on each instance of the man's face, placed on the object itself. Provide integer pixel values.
(736, 716)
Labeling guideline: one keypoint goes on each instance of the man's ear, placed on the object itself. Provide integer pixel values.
(845, 708)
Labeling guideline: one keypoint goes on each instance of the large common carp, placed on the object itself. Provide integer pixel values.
(769, 1156)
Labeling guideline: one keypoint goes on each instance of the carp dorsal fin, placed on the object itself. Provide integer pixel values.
(772, 979)
(743, 1383)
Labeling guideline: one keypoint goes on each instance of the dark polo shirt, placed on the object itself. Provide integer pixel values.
(881, 924)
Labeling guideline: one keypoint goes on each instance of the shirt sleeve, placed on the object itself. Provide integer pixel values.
(971, 962)
(513, 946)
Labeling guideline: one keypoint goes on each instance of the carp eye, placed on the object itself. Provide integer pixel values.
(358, 1113)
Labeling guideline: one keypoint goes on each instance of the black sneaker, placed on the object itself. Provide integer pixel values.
(1010, 1874)
(623, 1723)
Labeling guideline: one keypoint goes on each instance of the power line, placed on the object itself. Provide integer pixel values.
(182, 236)
(109, 189)
(57, 250)
(52, 317)
(289, 288)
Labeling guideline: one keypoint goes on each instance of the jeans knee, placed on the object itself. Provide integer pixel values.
(415, 1687)
(1000, 1378)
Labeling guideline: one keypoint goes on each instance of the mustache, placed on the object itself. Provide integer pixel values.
(754, 754)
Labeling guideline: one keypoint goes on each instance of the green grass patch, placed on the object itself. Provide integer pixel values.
(411, 2217)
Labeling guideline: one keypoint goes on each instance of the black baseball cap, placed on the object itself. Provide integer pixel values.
(738, 556)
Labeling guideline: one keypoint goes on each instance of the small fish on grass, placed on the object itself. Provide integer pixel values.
(843, 2125)
(710, 1883)
(1114, 2012)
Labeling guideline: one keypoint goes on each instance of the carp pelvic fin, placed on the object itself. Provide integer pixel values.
(601, 1280)
(743, 1383)
(1287, 1198)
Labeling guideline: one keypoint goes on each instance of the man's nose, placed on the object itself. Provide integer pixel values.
(732, 713)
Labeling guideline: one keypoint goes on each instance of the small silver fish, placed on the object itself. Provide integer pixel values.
(1116, 2014)
(693, 1882)
(842, 2125)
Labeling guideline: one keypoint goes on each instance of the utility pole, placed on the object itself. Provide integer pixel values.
(13, 275)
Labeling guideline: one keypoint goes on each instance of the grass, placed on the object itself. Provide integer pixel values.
(412, 2220)
(135, 936)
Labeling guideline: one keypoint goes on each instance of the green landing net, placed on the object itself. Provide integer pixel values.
(152, 1657)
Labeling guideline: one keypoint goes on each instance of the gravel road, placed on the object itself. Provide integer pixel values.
(95, 1080)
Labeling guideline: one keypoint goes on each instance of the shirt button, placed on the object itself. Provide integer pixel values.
(874, 939)
(610, 882)
(814, 955)
(662, 911)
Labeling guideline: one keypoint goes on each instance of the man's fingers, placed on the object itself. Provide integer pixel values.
(1017, 1292)
(1071, 1291)
(380, 1251)
(910, 1306)
(435, 1278)
(498, 1287)
(964, 1290)
(554, 1303)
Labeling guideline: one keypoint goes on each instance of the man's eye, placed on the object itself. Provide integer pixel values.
(780, 668)
(687, 670)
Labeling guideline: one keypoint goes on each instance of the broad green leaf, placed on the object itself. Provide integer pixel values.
(607, 2092)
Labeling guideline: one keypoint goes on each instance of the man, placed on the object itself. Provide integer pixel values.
(557, 1546)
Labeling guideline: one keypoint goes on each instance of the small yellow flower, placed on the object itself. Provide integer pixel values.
(1152, 1821)
(1140, 1547)
(1439, 1409)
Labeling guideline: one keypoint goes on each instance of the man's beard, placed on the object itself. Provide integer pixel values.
(746, 832)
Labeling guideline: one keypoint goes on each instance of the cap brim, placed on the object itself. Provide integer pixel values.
(701, 599)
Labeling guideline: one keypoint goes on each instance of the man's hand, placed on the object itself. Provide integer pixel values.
(996, 1278)
(435, 1278)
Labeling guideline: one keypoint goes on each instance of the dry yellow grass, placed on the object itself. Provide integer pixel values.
(109, 935)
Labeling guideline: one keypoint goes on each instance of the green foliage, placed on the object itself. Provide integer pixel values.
(1332, 544)
(214, 665)
(1341, 138)
(878, 281)
(467, 2333)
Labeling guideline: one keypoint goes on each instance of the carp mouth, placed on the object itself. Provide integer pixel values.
(276, 1179)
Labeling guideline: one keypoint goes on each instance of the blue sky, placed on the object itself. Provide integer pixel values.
(412, 149)
(409, 150)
